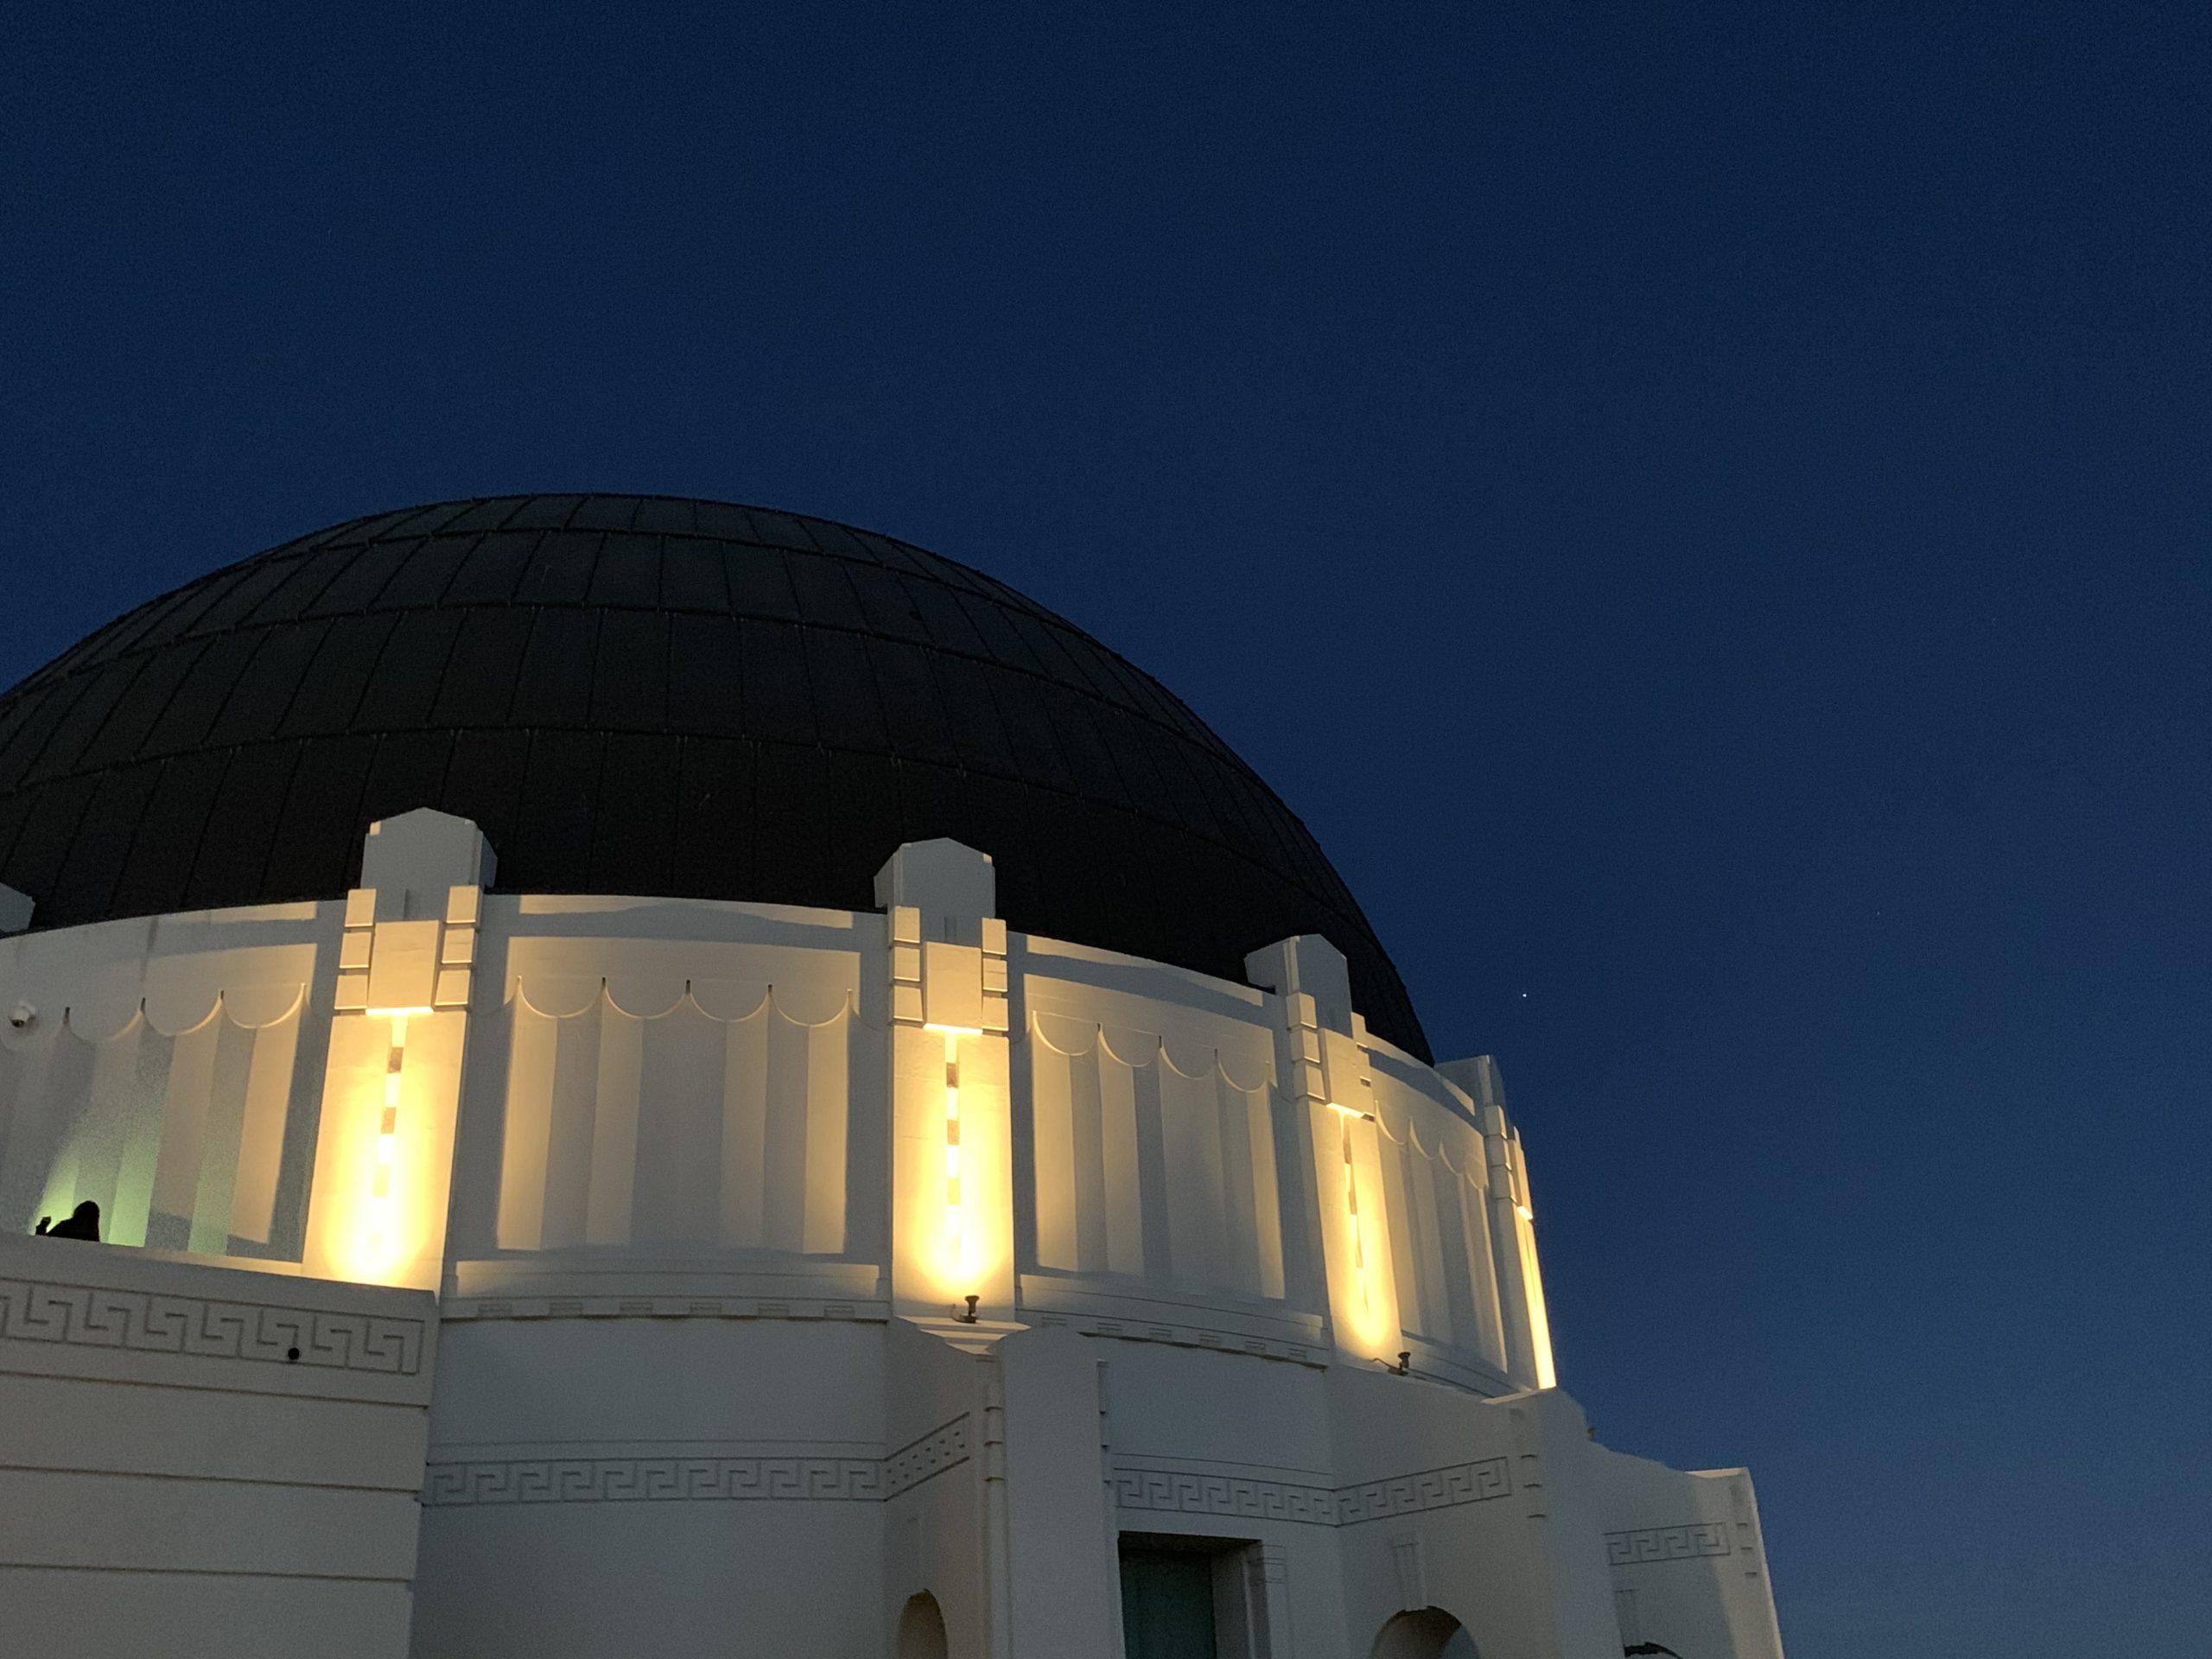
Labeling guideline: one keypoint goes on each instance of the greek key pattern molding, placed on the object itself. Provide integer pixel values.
(93, 1316)
(1178, 1492)
(1253, 1498)
(1432, 1489)
(743, 1477)
(1692, 1542)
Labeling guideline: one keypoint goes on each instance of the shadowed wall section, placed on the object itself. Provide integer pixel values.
(179, 1095)
(679, 1128)
(1156, 1160)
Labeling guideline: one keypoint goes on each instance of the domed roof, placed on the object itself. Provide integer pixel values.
(644, 695)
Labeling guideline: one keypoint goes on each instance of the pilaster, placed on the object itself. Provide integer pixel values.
(391, 1083)
(1060, 1595)
(1512, 1227)
(952, 1157)
(1327, 1083)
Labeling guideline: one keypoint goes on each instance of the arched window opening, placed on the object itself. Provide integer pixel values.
(1430, 1633)
(921, 1629)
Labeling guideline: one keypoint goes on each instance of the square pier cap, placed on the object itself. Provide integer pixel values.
(1308, 964)
(952, 885)
(1478, 1078)
(425, 853)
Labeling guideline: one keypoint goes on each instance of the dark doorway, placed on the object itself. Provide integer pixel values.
(1167, 1603)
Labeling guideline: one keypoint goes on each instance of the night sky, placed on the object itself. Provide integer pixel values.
(1702, 510)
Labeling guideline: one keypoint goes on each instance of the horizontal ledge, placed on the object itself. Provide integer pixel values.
(814, 1308)
(204, 1573)
(406, 1488)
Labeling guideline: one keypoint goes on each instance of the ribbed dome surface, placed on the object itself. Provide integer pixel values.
(644, 695)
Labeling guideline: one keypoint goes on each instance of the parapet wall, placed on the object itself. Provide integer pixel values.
(801, 1279)
(645, 1101)
(190, 1451)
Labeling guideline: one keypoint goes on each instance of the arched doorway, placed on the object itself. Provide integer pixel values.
(921, 1629)
(1430, 1633)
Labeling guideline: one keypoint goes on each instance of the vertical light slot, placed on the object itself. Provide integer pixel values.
(384, 1165)
(955, 1218)
(1351, 1209)
(1347, 1116)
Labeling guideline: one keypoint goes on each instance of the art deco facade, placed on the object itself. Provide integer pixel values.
(662, 1078)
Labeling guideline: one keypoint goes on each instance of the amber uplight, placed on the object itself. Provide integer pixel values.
(956, 1250)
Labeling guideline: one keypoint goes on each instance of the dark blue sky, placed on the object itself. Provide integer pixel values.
(1702, 510)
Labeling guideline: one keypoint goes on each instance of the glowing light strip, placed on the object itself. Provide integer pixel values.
(955, 1215)
(1532, 1277)
(1351, 1207)
(387, 1149)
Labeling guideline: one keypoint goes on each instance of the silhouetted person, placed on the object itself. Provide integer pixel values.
(84, 1222)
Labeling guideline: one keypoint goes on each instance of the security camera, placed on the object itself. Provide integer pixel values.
(21, 1015)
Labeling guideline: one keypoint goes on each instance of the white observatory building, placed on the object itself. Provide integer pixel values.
(665, 1078)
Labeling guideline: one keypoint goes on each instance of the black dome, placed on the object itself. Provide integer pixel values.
(644, 695)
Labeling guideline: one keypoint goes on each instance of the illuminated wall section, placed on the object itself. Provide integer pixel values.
(1326, 1081)
(392, 1085)
(737, 1088)
(1152, 1147)
(1435, 1172)
(952, 1183)
(1362, 1278)
(1512, 1234)
(385, 1158)
(157, 1072)
(1532, 1278)
(710, 1114)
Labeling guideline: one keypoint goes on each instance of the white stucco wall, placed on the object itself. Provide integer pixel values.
(204, 1460)
(700, 1189)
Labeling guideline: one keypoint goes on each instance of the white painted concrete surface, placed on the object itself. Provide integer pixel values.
(685, 1200)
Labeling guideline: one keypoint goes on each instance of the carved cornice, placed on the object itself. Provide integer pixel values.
(147, 1322)
(1164, 1486)
(1185, 1336)
(664, 1307)
(728, 1474)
